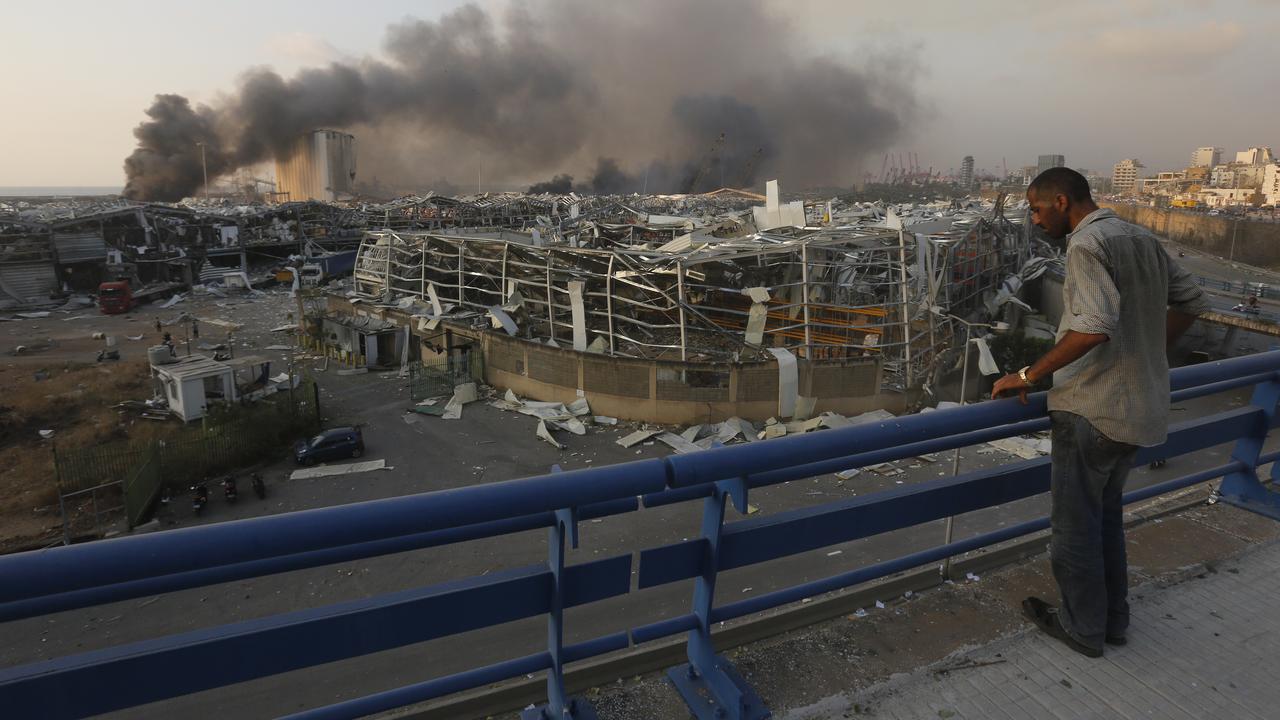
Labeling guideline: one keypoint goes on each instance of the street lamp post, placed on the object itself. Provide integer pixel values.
(964, 380)
(205, 169)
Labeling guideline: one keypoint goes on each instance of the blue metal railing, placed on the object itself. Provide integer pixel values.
(59, 579)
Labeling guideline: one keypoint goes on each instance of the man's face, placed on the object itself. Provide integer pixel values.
(1049, 213)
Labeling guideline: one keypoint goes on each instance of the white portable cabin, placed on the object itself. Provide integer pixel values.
(192, 383)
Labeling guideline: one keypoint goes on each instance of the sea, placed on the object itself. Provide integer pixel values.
(58, 190)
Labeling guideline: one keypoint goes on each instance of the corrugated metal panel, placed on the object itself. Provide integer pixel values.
(79, 247)
(24, 282)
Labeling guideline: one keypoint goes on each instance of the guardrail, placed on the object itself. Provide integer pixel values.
(43, 582)
(1240, 288)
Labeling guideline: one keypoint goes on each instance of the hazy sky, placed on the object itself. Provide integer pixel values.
(1099, 81)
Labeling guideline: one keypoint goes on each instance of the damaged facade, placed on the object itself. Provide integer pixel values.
(663, 318)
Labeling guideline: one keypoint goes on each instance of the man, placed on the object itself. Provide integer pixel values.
(1124, 301)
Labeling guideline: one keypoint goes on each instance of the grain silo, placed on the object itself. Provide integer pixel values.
(320, 166)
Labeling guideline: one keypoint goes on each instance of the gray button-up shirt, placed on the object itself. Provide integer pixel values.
(1120, 283)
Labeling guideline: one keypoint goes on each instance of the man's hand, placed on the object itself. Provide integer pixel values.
(1010, 383)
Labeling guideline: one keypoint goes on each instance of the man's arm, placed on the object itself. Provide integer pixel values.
(1092, 307)
(1186, 301)
(1070, 348)
(1176, 322)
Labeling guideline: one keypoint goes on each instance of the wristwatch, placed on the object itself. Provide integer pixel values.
(1022, 374)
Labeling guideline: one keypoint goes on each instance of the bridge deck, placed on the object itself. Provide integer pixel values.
(1201, 649)
(1261, 324)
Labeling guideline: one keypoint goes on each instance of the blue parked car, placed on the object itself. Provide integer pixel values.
(333, 444)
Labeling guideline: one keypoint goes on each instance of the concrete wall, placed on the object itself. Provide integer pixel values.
(670, 393)
(673, 393)
(1255, 243)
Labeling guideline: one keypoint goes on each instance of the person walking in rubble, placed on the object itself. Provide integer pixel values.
(1124, 301)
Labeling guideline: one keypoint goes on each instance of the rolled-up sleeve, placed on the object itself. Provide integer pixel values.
(1185, 295)
(1094, 301)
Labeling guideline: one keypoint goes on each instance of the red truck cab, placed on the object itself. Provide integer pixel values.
(115, 297)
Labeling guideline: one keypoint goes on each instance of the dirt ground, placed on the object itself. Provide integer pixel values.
(75, 402)
(50, 380)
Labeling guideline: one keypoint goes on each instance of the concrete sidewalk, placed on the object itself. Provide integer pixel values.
(963, 650)
(1204, 648)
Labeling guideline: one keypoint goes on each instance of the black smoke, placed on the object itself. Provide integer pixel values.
(559, 185)
(662, 96)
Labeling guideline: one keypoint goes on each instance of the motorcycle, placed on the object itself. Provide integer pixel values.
(1247, 309)
(259, 486)
(200, 498)
(229, 489)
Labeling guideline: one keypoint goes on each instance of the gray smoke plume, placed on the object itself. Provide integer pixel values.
(663, 96)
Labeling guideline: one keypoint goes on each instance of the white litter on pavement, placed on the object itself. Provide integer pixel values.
(331, 470)
(636, 437)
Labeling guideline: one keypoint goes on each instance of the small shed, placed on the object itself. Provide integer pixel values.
(191, 383)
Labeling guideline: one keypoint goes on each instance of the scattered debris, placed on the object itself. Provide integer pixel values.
(637, 437)
(545, 434)
(330, 470)
(1025, 448)
(677, 443)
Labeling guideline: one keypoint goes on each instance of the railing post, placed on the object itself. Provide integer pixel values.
(558, 705)
(708, 683)
(1242, 488)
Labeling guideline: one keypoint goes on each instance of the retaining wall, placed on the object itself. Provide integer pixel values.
(1248, 241)
(665, 392)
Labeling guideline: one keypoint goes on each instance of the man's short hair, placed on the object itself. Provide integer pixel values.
(1061, 181)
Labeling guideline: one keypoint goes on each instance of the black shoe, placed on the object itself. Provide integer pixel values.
(1043, 615)
(1117, 640)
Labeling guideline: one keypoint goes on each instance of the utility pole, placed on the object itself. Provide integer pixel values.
(204, 168)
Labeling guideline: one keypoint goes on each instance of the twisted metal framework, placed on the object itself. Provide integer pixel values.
(832, 293)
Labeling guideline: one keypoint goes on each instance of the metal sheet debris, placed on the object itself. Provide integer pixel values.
(545, 434)
(636, 437)
(677, 443)
(331, 470)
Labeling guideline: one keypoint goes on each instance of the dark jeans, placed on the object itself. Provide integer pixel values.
(1087, 546)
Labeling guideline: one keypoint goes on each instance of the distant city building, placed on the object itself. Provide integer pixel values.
(1199, 173)
(1226, 197)
(1271, 184)
(966, 172)
(1098, 184)
(1251, 176)
(1223, 176)
(1256, 156)
(1044, 162)
(1166, 183)
(1206, 157)
(1028, 174)
(1124, 174)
